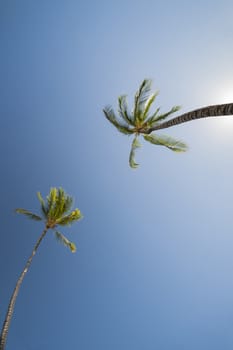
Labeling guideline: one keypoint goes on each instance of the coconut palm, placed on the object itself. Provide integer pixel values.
(140, 122)
(55, 211)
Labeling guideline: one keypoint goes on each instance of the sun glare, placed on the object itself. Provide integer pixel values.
(223, 125)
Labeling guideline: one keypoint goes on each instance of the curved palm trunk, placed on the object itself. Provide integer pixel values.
(205, 112)
(10, 310)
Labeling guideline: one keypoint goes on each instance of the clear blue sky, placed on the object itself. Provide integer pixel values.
(154, 264)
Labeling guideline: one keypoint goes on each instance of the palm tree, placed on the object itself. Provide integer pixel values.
(140, 122)
(56, 211)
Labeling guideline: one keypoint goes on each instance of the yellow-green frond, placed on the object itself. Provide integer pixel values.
(167, 141)
(51, 201)
(29, 214)
(62, 239)
(69, 219)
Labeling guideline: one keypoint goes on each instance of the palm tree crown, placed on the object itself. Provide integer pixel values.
(56, 211)
(140, 122)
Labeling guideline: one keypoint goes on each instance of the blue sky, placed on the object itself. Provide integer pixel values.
(153, 268)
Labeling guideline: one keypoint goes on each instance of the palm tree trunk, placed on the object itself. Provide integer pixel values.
(205, 112)
(11, 305)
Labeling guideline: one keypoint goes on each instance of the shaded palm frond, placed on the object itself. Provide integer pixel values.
(69, 219)
(110, 115)
(135, 144)
(167, 141)
(141, 98)
(123, 110)
(62, 239)
(44, 209)
(29, 214)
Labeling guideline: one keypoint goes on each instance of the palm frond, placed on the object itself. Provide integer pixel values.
(141, 98)
(110, 115)
(69, 219)
(135, 144)
(44, 209)
(165, 115)
(153, 117)
(51, 200)
(68, 204)
(29, 214)
(167, 141)
(62, 239)
(148, 104)
(123, 110)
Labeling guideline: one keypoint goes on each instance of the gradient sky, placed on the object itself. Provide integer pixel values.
(154, 264)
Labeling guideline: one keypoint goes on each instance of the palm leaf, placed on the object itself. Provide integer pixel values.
(51, 200)
(110, 115)
(148, 104)
(68, 204)
(153, 117)
(69, 219)
(123, 110)
(167, 141)
(62, 239)
(29, 214)
(135, 144)
(165, 115)
(141, 98)
(44, 210)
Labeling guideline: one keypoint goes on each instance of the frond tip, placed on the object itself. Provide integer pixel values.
(62, 239)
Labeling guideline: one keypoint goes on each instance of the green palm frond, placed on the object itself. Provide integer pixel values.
(141, 97)
(148, 104)
(62, 239)
(167, 141)
(110, 115)
(135, 144)
(51, 200)
(165, 115)
(63, 203)
(69, 219)
(44, 209)
(59, 203)
(123, 110)
(29, 214)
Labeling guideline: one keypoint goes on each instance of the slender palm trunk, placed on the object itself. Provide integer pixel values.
(11, 305)
(210, 111)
